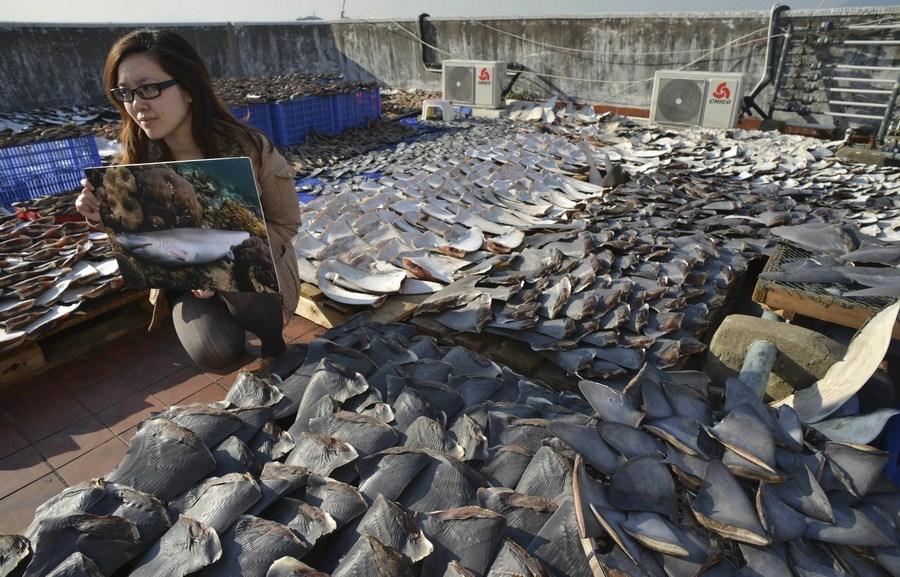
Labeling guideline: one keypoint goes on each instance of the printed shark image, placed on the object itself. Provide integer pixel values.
(183, 246)
(186, 225)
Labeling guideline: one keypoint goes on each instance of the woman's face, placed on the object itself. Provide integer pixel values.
(166, 116)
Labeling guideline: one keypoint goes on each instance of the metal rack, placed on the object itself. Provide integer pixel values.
(839, 69)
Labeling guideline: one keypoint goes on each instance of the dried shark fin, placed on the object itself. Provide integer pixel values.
(847, 376)
(722, 507)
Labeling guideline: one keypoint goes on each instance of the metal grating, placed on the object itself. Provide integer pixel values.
(785, 253)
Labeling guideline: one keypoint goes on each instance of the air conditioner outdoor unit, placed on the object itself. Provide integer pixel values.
(475, 83)
(708, 99)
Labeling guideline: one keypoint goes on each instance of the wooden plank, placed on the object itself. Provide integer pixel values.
(91, 336)
(815, 306)
(314, 294)
(788, 301)
(786, 315)
(310, 291)
(94, 308)
(27, 359)
(63, 346)
(30, 358)
(314, 306)
(318, 313)
(397, 308)
(760, 289)
(623, 110)
(745, 123)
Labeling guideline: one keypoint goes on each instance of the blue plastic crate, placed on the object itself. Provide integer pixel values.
(292, 120)
(8, 191)
(259, 116)
(356, 108)
(45, 168)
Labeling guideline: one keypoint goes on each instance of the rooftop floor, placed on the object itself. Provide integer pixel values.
(74, 423)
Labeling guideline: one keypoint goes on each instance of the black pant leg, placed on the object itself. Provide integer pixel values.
(261, 314)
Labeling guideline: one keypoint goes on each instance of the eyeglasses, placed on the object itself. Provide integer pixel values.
(146, 92)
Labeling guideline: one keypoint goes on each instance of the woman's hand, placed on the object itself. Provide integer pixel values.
(87, 203)
(203, 293)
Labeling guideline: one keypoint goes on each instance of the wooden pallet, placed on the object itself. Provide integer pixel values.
(812, 300)
(787, 302)
(94, 324)
(314, 306)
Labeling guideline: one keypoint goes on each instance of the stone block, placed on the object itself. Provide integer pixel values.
(804, 356)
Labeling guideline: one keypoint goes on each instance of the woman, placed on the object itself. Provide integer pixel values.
(170, 112)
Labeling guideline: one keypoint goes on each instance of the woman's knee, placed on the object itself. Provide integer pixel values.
(213, 357)
(208, 333)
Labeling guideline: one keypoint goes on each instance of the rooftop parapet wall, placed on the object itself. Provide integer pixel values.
(596, 58)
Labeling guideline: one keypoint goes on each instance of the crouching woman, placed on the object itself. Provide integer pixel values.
(170, 112)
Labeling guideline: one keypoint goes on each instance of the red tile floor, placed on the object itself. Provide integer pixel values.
(74, 423)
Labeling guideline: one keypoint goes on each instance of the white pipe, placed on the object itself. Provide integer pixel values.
(876, 42)
(859, 90)
(862, 104)
(856, 67)
(845, 115)
(855, 79)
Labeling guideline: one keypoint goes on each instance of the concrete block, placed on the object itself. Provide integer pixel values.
(804, 356)
(488, 112)
(863, 155)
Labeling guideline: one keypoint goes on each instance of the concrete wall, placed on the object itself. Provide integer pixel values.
(55, 65)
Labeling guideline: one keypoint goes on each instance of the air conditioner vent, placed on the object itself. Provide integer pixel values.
(473, 82)
(460, 83)
(708, 99)
(680, 101)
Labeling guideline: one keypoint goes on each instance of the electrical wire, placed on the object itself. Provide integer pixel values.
(581, 50)
(577, 78)
(445, 53)
(716, 49)
(420, 41)
(878, 20)
(633, 82)
(736, 42)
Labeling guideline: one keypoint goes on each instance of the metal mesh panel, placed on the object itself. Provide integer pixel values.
(785, 253)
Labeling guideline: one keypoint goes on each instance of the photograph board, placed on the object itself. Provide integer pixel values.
(187, 225)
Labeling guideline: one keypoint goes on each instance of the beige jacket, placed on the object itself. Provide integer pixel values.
(275, 178)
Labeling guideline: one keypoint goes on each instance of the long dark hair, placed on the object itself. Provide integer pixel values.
(210, 119)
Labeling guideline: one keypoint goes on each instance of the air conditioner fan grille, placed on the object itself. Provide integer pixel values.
(680, 101)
